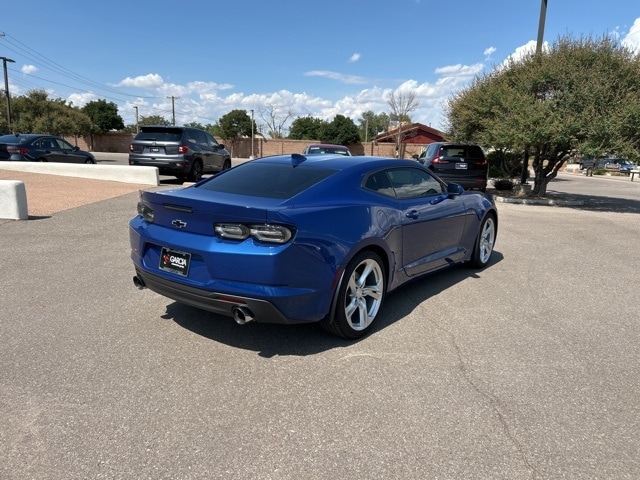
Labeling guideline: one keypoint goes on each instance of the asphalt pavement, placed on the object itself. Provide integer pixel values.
(528, 369)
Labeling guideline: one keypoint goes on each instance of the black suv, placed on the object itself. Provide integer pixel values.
(460, 163)
(183, 152)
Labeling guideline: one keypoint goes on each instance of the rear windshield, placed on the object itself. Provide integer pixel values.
(12, 139)
(269, 180)
(160, 134)
(467, 151)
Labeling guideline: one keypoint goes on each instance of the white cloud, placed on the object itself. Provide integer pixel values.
(340, 77)
(354, 58)
(460, 70)
(81, 99)
(153, 80)
(489, 51)
(28, 69)
(632, 39)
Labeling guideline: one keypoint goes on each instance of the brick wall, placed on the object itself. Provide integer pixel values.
(119, 143)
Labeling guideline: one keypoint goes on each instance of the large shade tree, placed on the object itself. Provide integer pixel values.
(581, 96)
(35, 112)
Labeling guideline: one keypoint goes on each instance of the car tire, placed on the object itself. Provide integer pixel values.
(89, 161)
(360, 296)
(485, 242)
(195, 175)
(226, 165)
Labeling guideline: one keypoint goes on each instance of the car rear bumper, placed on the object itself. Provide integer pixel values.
(169, 166)
(216, 302)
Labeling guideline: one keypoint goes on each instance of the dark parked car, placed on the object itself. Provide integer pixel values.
(457, 162)
(41, 148)
(324, 148)
(616, 165)
(298, 239)
(182, 152)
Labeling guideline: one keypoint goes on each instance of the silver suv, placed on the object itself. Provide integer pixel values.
(183, 152)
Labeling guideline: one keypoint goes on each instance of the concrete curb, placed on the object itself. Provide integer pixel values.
(13, 200)
(539, 201)
(115, 173)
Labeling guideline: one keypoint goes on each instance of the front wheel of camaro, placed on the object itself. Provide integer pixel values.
(360, 296)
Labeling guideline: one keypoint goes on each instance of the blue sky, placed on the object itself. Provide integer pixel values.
(306, 57)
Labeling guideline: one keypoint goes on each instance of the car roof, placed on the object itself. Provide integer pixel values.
(326, 145)
(338, 162)
(22, 137)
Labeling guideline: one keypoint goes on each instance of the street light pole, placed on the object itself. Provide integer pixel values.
(251, 156)
(6, 89)
(173, 108)
(543, 16)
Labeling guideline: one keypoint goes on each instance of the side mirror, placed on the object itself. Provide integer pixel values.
(454, 189)
(76, 148)
(415, 156)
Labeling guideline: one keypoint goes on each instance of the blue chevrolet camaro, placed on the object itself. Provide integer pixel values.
(294, 239)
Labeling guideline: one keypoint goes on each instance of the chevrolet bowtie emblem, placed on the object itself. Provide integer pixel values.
(179, 223)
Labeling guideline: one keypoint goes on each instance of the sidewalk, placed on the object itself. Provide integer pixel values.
(49, 194)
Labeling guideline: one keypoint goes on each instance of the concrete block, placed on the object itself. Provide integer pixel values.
(13, 200)
(116, 173)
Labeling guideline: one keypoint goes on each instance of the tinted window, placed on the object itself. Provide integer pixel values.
(404, 183)
(160, 134)
(467, 151)
(413, 182)
(267, 180)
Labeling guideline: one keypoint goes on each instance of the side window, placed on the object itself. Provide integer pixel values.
(212, 141)
(431, 150)
(379, 182)
(191, 136)
(413, 183)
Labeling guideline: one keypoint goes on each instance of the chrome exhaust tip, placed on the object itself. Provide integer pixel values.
(139, 283)
(242, 315)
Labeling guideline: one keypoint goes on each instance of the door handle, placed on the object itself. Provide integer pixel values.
(413, 214)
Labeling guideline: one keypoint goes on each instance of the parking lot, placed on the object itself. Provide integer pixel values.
(528, 369)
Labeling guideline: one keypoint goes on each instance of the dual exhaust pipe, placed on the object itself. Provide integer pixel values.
(241, 314)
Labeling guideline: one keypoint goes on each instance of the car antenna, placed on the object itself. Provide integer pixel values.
(297, 159)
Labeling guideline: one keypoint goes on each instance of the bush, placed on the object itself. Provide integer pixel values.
(504, 184)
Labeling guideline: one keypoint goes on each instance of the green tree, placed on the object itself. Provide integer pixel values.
(195, 125)
(580, 96)
(104, 116)
(341, 131)
(232, 126)
(36, 113)
(306, 128)
(372, 124)
(153, 120)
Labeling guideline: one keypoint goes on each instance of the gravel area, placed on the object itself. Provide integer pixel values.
(49, 194)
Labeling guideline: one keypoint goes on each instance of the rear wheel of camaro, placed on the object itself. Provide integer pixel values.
(360, 296)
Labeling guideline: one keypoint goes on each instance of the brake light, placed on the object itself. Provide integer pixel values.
(183, 149)
(439, 160)
(18, 150)
(131, 147)
(481, 163)
(266, 233)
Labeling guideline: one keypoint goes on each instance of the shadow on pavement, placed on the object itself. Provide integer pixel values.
(270, 340)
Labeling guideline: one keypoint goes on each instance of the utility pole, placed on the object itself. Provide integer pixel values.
(137, 123)
(251, 156)
(173, 108)
(543, 16)
(6, 89)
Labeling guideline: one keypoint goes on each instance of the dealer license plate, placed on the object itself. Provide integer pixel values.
(174, 261)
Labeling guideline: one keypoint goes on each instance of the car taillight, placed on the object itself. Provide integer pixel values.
(18, 150)
(263, 233)
(183, 149)
(481, 163)
(439, 161)
(131, 147)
